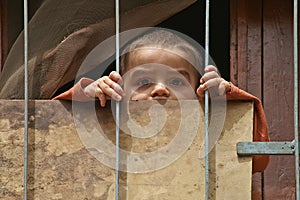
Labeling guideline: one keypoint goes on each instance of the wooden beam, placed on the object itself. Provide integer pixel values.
(278, 94)
(246, 57)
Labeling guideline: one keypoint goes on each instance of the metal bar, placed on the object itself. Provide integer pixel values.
(117, 103)
(25, 97)
(265, 148)
(296, 98)
(206, 102)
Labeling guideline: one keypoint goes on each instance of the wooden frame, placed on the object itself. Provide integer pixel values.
(261, 62)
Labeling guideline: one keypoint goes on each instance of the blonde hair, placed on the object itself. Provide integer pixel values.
(165, 40)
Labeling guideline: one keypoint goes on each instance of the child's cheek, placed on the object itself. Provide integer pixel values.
(139, 96)
(181, 92)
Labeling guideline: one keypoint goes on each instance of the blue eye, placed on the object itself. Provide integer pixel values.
(177, 82)
(143, 82)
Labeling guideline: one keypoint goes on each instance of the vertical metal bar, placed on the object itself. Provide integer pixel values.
(296, 97)
(25, 97)
(206, 102)
(117, 103)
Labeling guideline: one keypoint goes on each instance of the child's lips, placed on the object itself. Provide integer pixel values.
(160, 98)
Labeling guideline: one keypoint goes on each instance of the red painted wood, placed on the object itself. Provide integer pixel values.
(242, 44)
(233, 42)
(278, 94)
(254, 47)
(246, 56)
(257, 193)
(247, 71)
(262, 64)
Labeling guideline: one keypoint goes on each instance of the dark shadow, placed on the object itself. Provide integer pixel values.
(190, 22)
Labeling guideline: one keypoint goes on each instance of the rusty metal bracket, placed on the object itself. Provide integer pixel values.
(265, 148)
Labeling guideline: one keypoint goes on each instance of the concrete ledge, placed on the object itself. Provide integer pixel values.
(65, 163)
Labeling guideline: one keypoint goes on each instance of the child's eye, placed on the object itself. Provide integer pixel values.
(143, 82)
(177, 82)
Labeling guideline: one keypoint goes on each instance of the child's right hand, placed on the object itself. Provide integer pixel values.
(105, 88)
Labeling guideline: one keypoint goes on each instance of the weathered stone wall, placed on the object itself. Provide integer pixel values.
(65, 163)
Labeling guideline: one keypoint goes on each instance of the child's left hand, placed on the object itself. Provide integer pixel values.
(212, 79)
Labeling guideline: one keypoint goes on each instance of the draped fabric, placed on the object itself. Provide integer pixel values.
(62, 33)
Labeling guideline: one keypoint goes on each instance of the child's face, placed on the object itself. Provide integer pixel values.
(159, 74)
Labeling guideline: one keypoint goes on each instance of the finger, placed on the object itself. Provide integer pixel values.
(210, 68)
(101, 96)
(200, 91)
(115, 86)
(116, 77)
(222, 88)
(90, 90)
(215, 82)
(106, 89)
(222, 85)
(209, 75)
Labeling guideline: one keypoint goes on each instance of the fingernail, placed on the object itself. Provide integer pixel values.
(118, 98)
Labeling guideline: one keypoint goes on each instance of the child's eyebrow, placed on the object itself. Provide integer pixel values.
(143, 72)
(185, 74)
(140, 72)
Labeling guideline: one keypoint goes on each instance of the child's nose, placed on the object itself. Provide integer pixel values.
(160, 90)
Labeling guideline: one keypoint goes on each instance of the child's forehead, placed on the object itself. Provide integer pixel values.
(172, 57)
(156, 69)
(162, 53)
(164, 50)
(153, 59)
